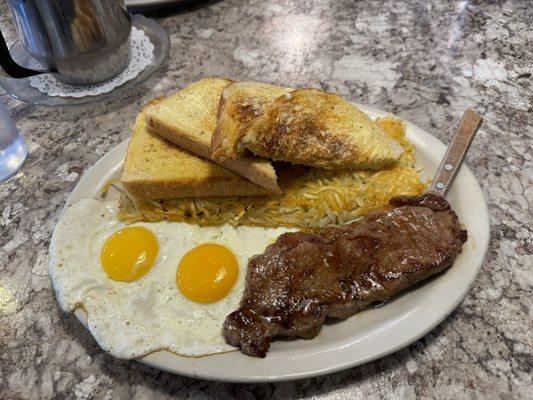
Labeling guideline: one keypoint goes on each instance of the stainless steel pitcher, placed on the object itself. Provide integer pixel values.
(83, 41)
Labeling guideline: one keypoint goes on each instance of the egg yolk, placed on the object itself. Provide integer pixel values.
(129, 253)
(207, 273)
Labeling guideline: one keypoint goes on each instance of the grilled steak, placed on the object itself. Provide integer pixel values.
(305, 277)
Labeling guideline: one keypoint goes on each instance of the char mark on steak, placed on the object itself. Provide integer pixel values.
(305, 277)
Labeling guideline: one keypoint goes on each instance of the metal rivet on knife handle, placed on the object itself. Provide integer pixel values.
(451, 163)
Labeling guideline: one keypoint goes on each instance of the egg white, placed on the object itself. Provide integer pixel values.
(132, 319)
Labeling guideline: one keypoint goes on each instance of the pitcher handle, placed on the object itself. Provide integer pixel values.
(10, 66)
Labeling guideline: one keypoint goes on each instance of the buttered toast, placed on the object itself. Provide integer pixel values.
(156, 169)
(320, 129)
(240, 103)
(188, 119)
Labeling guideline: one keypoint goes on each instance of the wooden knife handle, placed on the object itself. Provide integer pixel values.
(451, 163)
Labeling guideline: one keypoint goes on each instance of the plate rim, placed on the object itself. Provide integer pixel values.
(194, 367)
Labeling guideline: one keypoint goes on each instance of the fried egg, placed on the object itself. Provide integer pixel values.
(151, 286)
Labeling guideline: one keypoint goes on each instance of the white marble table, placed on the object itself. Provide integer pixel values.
(425, 61)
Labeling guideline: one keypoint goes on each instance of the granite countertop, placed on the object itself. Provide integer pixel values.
(426, 61)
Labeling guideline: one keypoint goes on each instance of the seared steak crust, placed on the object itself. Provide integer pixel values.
(305, 277)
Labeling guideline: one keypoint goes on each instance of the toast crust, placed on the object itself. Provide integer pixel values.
(193, 132)
(320, 129)
(214, 186)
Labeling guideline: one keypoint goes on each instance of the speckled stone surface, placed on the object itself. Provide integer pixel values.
(426, 61)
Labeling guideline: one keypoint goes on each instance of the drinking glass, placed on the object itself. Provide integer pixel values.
(13, 149)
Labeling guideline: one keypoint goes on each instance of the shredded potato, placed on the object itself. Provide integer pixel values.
(311, 198)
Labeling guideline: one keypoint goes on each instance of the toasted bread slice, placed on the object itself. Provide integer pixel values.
(156, 169)
(188, 119)
(320, 129)
(240, 103)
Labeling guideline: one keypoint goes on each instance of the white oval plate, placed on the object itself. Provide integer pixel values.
(368, 335)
